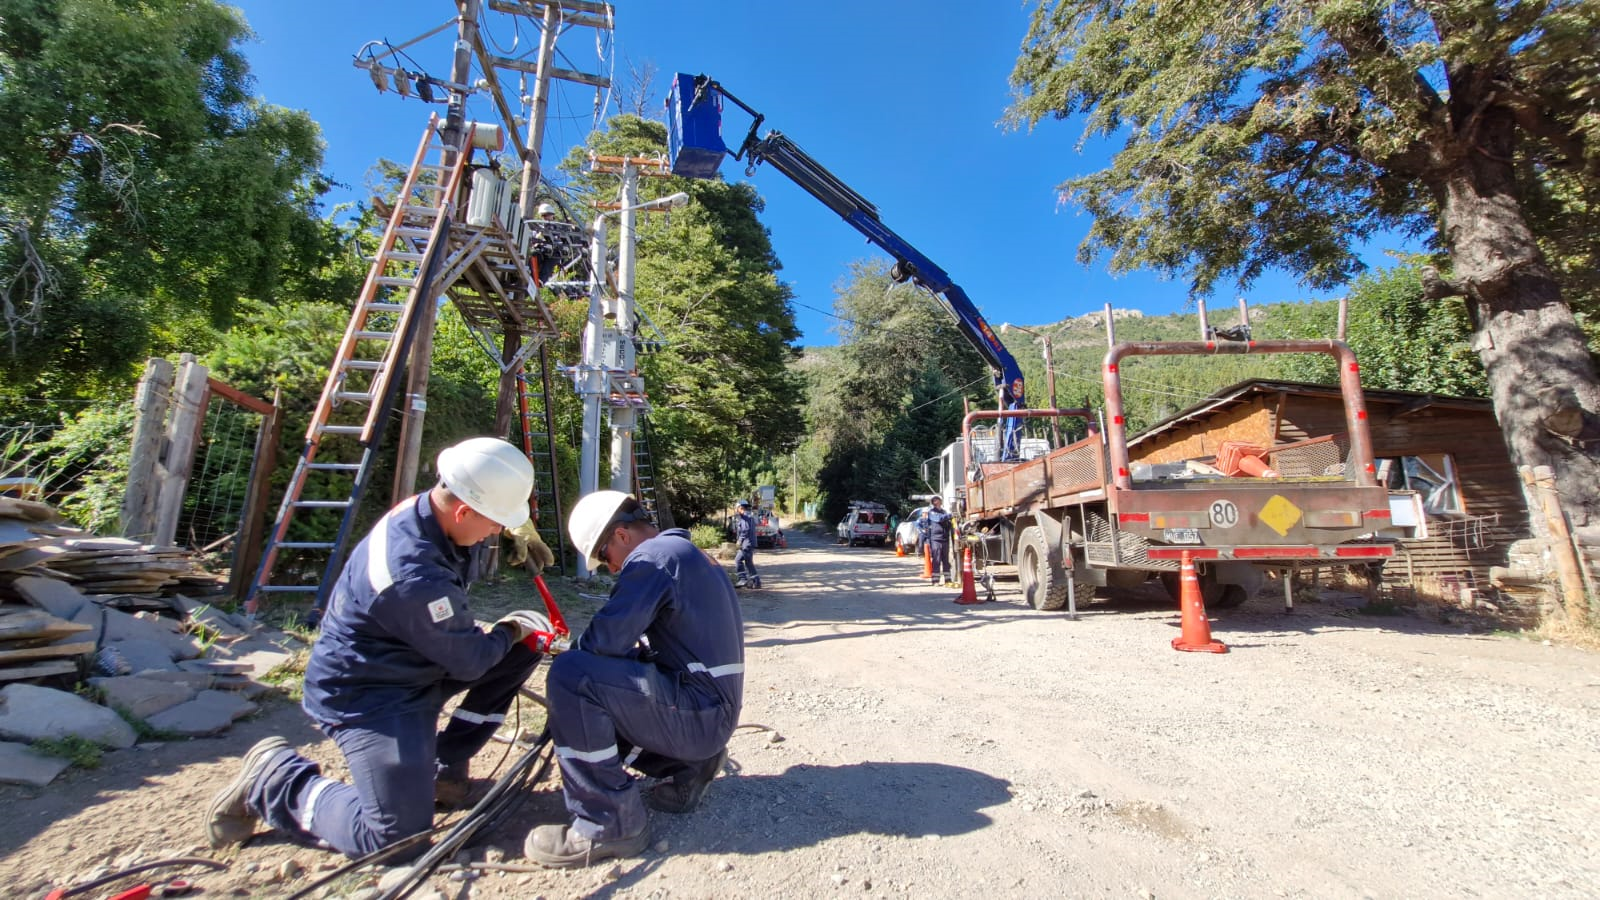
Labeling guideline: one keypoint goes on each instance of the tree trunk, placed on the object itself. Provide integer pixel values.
(1538, 366)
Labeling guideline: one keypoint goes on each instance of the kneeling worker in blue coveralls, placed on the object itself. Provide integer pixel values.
(398, 639)
(655, 683)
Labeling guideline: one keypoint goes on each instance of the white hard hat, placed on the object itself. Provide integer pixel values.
(587, 524)
(546, 209)
(489, 475)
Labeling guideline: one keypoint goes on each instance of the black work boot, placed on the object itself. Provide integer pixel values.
(684, 792)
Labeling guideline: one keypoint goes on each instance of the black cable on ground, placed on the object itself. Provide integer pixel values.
(142, 867)
(373, 857)
(492, 807)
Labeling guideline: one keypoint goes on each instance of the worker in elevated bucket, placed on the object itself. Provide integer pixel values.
(398, 640)
(655, 683)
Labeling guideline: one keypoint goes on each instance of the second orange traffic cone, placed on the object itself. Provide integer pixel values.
(969, 588)
(927, 561)
(899, 548)
(1196, 635)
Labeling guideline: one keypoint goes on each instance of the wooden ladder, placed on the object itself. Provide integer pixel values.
(346, 428)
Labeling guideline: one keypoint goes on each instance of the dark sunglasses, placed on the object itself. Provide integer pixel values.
(638, 515)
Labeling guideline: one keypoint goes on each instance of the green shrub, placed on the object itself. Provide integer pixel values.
(706, 537)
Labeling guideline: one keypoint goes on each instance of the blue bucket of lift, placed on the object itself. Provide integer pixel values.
(694, 133)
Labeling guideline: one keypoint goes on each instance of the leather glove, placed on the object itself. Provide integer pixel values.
(527, 544)
(524, 622)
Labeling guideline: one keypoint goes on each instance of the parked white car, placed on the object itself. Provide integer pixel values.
(905, 534)
(866, 523)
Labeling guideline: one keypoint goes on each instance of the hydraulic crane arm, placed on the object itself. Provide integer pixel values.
(695, 126)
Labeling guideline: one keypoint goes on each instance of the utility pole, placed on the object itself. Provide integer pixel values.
(624, 416)
(531, 158)
(416, 398)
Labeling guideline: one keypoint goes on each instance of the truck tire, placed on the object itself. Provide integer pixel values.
(1044, 586)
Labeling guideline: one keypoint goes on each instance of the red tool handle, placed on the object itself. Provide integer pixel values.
(556, 621)
(543, 641)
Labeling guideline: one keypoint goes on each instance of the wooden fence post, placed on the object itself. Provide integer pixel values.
(1541, 480)
(248, 545)
(183, 432)
(139, 499)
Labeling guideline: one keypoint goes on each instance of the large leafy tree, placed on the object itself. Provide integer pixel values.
(1279, 134)
(892, 393)
(143, 191)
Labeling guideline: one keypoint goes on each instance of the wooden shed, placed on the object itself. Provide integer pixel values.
(1448, 448)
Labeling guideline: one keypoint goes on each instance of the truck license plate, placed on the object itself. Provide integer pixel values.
(1181, 535)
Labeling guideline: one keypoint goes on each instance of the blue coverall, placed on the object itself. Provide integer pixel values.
(934, 529)
(659, 709)
(744, 560)
(398, 639)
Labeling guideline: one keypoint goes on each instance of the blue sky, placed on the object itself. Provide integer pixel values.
(901, 100)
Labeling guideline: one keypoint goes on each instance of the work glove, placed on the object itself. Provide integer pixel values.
(527, 544)
(523, 622)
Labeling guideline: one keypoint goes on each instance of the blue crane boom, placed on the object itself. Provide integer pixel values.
(696, 148)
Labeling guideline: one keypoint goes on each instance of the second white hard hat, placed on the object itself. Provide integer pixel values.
(490, 476)
(546, 209)
(586, 527)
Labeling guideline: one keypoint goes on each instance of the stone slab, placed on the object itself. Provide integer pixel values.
(255, 657)
(208, 713)
(144, 655)
(55, 597)
(121, 626)
(199, 681)
(143, 697)
(19, 764)
(30, 713)
(215, 666)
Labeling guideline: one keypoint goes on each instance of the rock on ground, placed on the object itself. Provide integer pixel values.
(30, 713)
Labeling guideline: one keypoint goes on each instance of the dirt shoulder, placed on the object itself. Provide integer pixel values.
(896, 743)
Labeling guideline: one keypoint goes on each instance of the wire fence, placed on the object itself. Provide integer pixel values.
(79, 465)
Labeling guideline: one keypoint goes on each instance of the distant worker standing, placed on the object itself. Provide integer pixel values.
(744, 538)
(934, 529)
(397, 641)
(655, 683)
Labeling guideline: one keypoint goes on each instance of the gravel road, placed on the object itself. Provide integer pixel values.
(898, 744)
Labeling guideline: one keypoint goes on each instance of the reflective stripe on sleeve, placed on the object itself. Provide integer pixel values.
(588, 756)
(717, 671)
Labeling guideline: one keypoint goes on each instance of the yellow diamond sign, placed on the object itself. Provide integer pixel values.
(1280, 515)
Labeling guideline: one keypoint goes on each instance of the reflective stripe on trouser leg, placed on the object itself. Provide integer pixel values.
(483, 709)
(598, 706)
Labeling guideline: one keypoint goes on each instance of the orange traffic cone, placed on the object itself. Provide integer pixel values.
(1196, 635)
(927, 561)
(969, 588)
(899, 548)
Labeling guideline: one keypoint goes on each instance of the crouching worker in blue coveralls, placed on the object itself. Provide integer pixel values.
(397, 640)
(655, 684)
